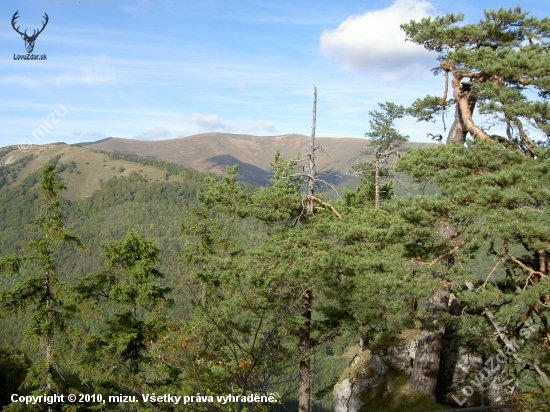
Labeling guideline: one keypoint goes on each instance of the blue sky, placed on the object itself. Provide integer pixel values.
(160, 69)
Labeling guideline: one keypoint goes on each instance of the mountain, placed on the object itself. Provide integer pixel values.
(83, 169)
(212, 152)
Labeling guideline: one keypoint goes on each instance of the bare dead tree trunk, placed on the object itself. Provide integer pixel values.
(312, 172)
(304, 399)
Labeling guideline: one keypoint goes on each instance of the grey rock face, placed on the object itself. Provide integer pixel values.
(369, 372)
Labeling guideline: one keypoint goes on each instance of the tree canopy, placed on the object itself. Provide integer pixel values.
(500, 65)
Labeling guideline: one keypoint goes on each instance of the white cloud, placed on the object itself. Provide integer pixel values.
(209, 122)
(212, 122)
(260, 126)
(94, 135)
(158, 133)
(374, 43)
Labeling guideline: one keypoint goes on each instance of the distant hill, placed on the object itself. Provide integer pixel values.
(86, 172)
(212, 152)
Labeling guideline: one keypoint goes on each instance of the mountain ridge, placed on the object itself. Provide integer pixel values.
(254, 154)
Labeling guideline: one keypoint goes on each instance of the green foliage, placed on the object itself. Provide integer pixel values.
(8, 173)
(248, 296)
(155, 209)
(14, 365)
(7, 149)
(382, 132)
(496, 200)
(234, 316)
(501, 62)
(40, 291)
(365, 193)
(171, 168)
(122, 359)
(278, 203)
(384, 139)
(247, 259)
(427, 108)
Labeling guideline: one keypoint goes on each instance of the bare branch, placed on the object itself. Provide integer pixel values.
(322, 203)
(447, 254)
(522, 265)
(482, 287)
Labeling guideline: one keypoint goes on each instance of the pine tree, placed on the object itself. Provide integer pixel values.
(496, 201)
(385, 140)
(498, 65)
(250, 295)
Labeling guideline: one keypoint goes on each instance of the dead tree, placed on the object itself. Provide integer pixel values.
(308, 203)
(310, 175)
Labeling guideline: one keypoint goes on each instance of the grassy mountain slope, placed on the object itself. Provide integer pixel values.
(211, 152)
(88, 169)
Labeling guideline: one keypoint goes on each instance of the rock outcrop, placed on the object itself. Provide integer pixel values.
(380, 376)
(373, 372)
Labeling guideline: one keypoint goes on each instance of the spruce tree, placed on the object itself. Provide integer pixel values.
(121, 359)
(42, 292)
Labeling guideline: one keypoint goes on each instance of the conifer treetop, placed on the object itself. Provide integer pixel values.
(503, 61)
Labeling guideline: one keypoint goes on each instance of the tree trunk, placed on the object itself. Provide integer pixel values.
(304, 399)
(430, 343)
(377, 178)
(312, 172)
(458, 130)
(49, 363)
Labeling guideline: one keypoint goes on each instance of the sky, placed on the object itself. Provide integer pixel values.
(152, 70)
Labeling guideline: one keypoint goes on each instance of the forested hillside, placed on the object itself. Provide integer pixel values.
(145, 285)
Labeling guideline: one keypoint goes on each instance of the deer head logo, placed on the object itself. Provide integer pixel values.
(29, 40)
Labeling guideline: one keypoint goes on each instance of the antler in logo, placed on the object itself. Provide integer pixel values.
(29, 40)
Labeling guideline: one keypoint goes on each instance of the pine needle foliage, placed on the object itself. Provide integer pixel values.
(497, 201)
(500, 65)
